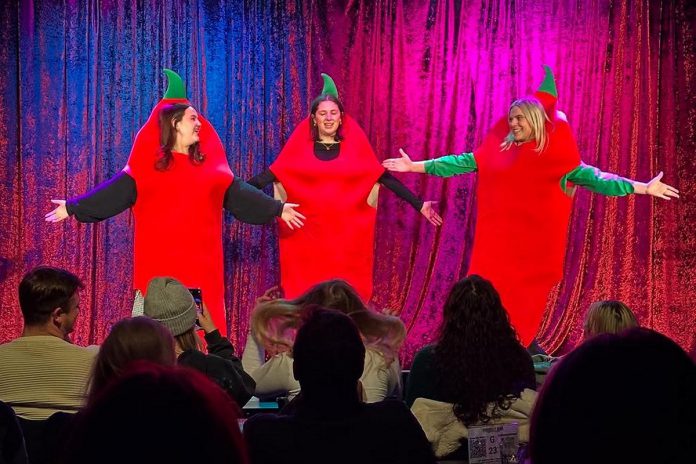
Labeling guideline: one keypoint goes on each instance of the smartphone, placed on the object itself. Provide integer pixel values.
(197, 298)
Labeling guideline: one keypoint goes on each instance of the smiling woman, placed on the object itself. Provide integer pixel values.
(527, 120)
(528, 166)
(179, 128)
(177, 181)
(329, 167)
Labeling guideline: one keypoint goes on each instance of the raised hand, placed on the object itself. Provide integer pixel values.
(205, 321)
(57, 214)
(291, 217)
(271, 294)
(430, 214)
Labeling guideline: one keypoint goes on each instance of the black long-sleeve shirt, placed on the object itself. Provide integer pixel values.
(222, 366)
(326, 154)
(119, 193)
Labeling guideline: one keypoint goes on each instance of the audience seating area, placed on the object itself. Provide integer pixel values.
(582, 400)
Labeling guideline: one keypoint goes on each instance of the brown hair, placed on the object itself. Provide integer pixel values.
(480, 365)
(189, 340)
(43, 289)
(276, 322)
(313, 131)
(173, 114)
(131, 339)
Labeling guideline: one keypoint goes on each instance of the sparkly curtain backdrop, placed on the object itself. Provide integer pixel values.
(428, 76)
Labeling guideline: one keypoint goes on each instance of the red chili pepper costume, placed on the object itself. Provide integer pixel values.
(338, 236)
(521, 229)
(178, 212)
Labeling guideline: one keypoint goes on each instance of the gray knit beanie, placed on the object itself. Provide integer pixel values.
(170, 303)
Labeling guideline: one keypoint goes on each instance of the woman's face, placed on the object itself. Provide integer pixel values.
(327, 118)
(519, 125)
(187, 129)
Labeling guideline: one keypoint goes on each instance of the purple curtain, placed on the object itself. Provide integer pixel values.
(426, 76)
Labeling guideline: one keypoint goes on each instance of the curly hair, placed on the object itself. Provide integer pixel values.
(480, 361)
(275, 322)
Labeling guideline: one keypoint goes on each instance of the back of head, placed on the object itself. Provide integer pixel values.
(478, 355)
(617, 398)
(608, 316)
(379, 331)
(332, 294)
(131, 339)
(274, 322)
(42, 290)
(156, 413)
(171, 304)
(328, 353)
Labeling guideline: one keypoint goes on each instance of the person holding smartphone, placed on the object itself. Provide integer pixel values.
(173, 305)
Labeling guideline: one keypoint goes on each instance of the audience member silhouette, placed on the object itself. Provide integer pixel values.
(328, 422)
(42, 372)
(617, 398)
(609, 316)
(171, 304)
(154, 413)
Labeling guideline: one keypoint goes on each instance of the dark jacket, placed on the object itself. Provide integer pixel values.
(336, 432)
(222, 366)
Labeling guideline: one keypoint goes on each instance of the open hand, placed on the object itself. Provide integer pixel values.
(57, 214)
(294, 219)
(403, 164)
(430, 214)
(657, 189)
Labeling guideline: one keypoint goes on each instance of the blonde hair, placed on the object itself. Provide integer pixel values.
(534, 113)
(276, 322)
(609, 316)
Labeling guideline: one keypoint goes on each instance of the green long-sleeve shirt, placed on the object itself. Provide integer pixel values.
(584, 175)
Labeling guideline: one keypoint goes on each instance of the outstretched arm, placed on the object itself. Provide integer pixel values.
(403, 164)
(403, 192)
(102, 202)
(445, 166)
(610, 184)
(252, 206)
(656, 188)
